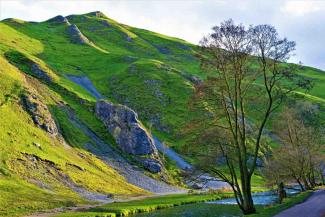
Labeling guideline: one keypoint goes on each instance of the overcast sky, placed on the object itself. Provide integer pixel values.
(301, 21)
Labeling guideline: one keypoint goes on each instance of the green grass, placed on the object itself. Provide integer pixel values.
(152, 203)
(183, 206)
(87, 214)
(18, 198)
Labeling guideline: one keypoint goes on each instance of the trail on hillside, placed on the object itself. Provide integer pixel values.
(314, 206)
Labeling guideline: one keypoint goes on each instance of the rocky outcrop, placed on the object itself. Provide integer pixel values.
(39, 113)
(28, 65)
(122, 122)
(152, 165)
(97, 14)
(59, 20)
(76, 35)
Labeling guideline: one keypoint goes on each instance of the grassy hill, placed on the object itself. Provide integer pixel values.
(152, 73)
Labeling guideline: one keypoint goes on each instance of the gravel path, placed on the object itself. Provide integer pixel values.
(314, 206)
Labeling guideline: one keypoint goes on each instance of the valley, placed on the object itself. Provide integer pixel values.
(96, 120)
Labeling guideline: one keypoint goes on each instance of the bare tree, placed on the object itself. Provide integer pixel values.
(246, 73)
(299, 157)
(276, 175)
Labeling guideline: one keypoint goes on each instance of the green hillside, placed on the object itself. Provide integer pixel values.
(151, 73)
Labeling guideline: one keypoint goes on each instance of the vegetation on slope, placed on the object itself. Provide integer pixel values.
(152, 73)
(35, 164)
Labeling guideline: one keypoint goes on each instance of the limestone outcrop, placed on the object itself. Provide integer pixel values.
(122, 122)
(39, 113)
(76, 35)
(59, 20)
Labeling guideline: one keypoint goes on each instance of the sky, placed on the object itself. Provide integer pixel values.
(300, 21)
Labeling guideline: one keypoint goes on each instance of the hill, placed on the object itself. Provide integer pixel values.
(51, 75)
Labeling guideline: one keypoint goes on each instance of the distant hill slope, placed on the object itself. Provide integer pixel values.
(151, 73)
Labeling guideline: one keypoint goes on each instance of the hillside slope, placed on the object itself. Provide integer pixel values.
(51, 74)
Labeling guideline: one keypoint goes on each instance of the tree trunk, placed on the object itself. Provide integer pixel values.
(311, 178)
(248, 204)
(307, 186)
(282, 193)
(300, 185)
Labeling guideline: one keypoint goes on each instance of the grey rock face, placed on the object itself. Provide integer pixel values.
(152, 165)
(122, 122)
(76, 36)
(59, 20)
(39, 113)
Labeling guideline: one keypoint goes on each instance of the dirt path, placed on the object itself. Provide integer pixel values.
(314, 206)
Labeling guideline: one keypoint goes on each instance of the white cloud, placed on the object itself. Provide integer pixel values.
(299, 8)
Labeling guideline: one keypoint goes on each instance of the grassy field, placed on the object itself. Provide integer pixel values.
(183, 206)
(151, 204)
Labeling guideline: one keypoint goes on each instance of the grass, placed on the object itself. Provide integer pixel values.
(183, 206)
(18, 198)
(151, 204)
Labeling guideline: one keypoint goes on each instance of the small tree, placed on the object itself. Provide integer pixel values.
(275, 175)
(247, 74)
(299, 157)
